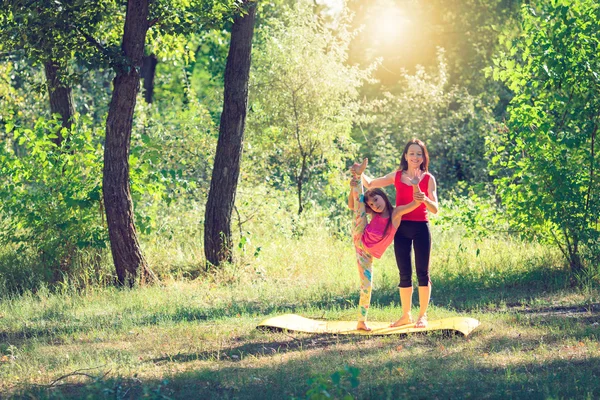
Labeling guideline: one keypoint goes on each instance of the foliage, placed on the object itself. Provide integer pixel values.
(171, 155)
(339, 385)
(545, 161)
(198, 77)
(91, 32)
(301, 112)
(21, 94)
(51, 196)
(477, 215)
(56, 30)
(450, 121)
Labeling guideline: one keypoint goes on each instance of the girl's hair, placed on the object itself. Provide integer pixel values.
(377, 191)
(424, 164)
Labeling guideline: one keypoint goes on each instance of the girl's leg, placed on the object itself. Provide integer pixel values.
(365, 272)
(422, 244)
(363, 258)
(360, 216)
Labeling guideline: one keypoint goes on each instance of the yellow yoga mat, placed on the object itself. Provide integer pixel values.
(292, 322)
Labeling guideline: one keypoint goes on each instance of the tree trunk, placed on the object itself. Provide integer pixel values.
(223, 184)
(125, 247)
(147, 72)
(61, 98)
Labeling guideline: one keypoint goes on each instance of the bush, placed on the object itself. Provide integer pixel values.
(50, 195)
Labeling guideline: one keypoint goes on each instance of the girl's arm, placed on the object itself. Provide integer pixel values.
(351, 202)
(371, 183)
(399, 211)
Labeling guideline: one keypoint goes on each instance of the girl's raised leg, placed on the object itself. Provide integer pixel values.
(363, 258)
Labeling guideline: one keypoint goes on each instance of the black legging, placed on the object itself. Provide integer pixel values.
(413, 234)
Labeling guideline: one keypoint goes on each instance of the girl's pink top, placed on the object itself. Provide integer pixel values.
(404, 195)
(374, 237)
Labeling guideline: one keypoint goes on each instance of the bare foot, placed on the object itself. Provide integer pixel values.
(422, 321)
(362, 326)
(358, 169)
(406, 319)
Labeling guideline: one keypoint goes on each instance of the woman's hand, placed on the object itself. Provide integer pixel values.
(357, 169)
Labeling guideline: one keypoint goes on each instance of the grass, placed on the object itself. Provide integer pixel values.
(539, 335)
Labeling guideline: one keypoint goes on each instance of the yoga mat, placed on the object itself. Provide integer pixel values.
(292, 322)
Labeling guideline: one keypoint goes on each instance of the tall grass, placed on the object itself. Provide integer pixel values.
(193, 335)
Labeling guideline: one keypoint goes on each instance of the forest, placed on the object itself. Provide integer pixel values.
(173, 172)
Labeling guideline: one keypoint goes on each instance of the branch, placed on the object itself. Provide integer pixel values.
(86, 35)
(239, 220)
(562, 250)
(589, 191)
(93, 41)
(568, 245)
(78, 373)
(564, 117)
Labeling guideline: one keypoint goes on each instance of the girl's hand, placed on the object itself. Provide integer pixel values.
(416, 176)
(419, 197)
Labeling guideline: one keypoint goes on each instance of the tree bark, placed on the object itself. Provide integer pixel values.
(147, 72)
(61, 97)
(223, 184)
(125, 247)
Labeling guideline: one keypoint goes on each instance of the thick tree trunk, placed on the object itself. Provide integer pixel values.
(147, 72)
(125, 247)
(61, 98)
(223, 184)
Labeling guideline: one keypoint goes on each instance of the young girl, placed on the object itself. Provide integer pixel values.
(371, 238)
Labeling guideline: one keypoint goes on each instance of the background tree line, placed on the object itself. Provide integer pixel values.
(503, 93)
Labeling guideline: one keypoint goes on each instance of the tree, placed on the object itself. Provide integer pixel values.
(446, 117)
(223, 184)
(60, 94)
(125, 247)
(53, 33)
(64, 32)
(147, 73)
(545, 161)
(304, 98)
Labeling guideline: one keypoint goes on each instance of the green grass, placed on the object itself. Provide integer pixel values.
(538, 337)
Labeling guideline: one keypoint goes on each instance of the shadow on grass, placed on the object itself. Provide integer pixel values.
(435, 374)
(265, 348)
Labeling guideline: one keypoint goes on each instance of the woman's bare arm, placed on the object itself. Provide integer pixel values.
(430, 200)
(371, 183)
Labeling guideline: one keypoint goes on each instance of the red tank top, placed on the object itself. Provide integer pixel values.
(404, 195)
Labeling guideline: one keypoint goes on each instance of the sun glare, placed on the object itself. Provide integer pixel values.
(334, 6)
(387, 24)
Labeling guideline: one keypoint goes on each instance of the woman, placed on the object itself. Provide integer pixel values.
(371, 236)
(414, 230)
